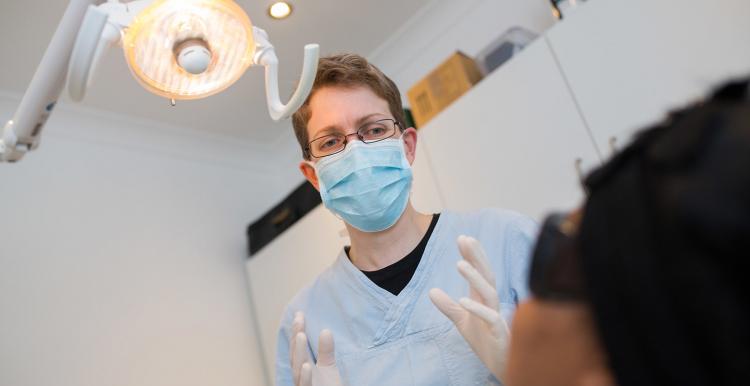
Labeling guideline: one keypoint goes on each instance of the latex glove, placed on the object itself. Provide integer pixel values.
(477, 317)
(304, 372)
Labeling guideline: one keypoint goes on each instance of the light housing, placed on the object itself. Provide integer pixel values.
(218, 30)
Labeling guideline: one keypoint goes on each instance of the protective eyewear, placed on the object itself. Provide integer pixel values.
(369, 133)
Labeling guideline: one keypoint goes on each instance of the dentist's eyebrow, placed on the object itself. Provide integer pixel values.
(367, 117)
(334, 129)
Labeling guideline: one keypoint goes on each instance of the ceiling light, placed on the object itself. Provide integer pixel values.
(177, 49)
(189, 49)
(280, 10)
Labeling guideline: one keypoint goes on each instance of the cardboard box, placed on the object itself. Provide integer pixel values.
(455, 76)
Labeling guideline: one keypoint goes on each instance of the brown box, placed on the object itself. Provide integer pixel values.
(442, 86)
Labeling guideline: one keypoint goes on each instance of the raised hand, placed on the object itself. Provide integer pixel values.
(477, 317)
(304, 371)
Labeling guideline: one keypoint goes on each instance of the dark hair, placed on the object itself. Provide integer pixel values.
(665, 247)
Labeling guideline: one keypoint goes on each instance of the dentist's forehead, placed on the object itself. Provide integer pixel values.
(343, 109)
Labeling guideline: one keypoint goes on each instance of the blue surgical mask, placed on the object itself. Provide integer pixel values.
(367, 185)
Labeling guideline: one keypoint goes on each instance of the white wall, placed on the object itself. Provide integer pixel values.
(122, 254)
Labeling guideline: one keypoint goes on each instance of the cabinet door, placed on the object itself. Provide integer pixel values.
(425, 195)
(281, 269)
(512, 141)
(630, 62)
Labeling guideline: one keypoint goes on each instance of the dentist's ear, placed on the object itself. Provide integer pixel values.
(410, 144)
(309, 172)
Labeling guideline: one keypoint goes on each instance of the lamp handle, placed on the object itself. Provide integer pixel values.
(87, 51)
(265, 55)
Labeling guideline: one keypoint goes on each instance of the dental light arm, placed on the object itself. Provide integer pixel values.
(22, 133)
(87, 51)
(265, 55)
(100, 30)
(181, 63)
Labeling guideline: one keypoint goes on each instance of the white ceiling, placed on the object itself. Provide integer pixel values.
(26, 27)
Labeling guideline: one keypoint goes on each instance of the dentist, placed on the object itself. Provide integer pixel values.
(374, 299)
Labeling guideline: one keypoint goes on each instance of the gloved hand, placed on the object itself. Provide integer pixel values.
(477, 317)
(304, 372)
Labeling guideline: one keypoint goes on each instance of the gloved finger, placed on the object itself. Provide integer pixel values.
(326, 353)
(477, 282)
(447, 306)
(300, 355)
(305, 376)
(472, 251)
(298, 325)
(491, 317)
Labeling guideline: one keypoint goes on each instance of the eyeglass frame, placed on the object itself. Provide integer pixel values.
(556, 267)
(396, 123)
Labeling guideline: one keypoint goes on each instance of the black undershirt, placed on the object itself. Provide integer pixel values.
(396, 276)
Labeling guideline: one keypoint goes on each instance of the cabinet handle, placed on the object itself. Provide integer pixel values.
(613, 144)
(581, 175)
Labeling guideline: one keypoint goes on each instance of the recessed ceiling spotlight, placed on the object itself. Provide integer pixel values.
(280, 10)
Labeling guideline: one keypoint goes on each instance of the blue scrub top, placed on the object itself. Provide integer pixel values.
(382, 339)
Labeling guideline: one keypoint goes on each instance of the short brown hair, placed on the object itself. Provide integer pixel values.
(347, 70)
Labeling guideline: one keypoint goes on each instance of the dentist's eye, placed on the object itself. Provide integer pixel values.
(375, 131)
(329, 143)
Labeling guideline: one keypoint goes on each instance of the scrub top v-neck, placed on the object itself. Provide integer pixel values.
(384, 339)
(396, 276)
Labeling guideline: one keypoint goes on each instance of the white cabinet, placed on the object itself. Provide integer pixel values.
(425, 195)
(444, 26)
(512, 141)
(630, 62)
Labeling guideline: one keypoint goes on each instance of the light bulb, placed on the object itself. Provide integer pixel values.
(189, 49)
(193, 55)
(280, 10)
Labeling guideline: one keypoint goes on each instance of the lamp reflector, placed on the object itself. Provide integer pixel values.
(189, 49)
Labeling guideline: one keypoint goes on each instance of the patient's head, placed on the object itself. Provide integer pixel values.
(648, 284)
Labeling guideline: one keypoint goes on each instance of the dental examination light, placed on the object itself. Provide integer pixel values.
(177, 49)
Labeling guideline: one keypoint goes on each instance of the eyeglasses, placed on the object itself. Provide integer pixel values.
(369, 133)
(556, 265)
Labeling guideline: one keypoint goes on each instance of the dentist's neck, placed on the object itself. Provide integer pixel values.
(371, 251)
